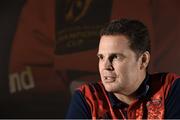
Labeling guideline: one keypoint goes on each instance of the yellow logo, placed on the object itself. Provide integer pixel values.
(76, 9)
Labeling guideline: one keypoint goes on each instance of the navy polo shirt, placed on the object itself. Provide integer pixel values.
(79, 108)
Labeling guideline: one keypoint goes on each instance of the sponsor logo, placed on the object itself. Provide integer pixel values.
(76, 9)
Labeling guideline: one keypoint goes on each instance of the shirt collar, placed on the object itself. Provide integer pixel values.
(141, 92)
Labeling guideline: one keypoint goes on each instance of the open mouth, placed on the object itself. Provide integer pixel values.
(109, 79)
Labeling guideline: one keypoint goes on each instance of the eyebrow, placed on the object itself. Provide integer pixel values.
(120, 54)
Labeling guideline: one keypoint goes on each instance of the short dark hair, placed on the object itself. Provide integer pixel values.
(134, 30)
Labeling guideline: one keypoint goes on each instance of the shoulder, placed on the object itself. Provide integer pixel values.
(91, 87)
(163, 82)
(94, 92)
(164, 77)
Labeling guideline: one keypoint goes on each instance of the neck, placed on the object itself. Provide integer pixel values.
(129, 96)
(124, 98)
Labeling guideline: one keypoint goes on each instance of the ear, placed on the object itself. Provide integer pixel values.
(144, 60)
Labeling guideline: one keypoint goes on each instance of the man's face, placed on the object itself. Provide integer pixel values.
(118, 64)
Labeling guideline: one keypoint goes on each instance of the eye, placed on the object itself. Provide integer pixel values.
(116, 57)
(100, 57)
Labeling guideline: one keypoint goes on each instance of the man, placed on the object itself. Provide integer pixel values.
(126, 89)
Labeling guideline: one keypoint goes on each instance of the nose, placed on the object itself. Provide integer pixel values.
(108, 65)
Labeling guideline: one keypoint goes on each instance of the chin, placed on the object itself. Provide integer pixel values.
(109, 88)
